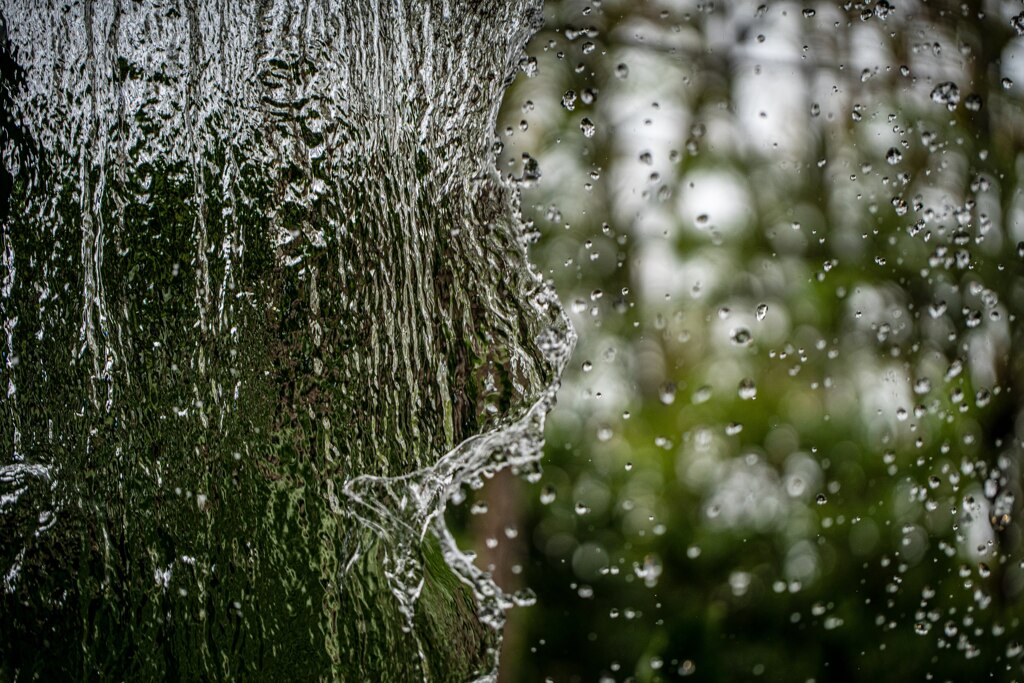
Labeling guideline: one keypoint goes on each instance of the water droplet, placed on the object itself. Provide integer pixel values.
(946, 93)
(747, 390)
(761, 312)
(821, 499)
(1017, 22)
(741, 336)
(581, 509)
(587, 366)
(529, 66)
(588, 128)
(547, 495)
(808, 13)
(973, 103)
(893, 156)
(531, 170)
(569, 100)
(622, 71)
(667, 393)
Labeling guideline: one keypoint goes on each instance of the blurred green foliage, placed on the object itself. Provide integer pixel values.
(789, 446)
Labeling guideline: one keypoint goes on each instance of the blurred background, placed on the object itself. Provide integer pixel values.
(791, 239)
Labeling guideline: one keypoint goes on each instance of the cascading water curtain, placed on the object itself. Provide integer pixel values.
(267, 307)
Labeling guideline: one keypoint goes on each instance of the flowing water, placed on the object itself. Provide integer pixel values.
(266, 308)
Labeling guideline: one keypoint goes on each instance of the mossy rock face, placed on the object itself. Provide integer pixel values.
(251, 253)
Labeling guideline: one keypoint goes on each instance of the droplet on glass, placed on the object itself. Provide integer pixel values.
(569, 100)
(761, 312)
(588, 128)
(893, 156)
(667, 393)
(622, 71)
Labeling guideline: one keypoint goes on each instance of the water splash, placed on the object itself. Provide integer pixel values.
(267, 308)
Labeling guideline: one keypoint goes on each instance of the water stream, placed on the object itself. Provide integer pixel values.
(267, 308)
